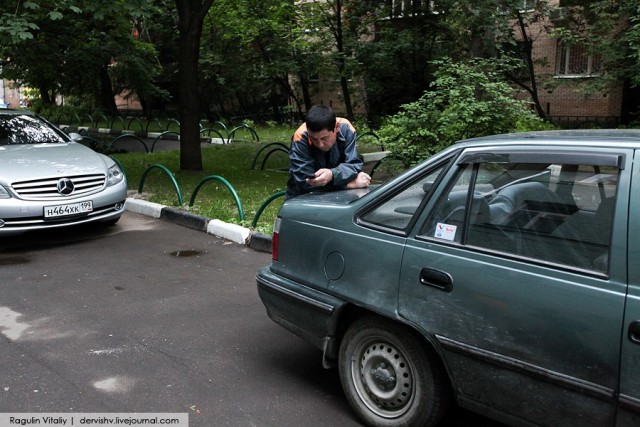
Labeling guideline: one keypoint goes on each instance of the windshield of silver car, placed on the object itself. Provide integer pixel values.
(26, 129)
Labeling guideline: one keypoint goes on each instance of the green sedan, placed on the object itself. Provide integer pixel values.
(501, 274)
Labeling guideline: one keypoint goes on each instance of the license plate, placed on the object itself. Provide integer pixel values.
(66, 210)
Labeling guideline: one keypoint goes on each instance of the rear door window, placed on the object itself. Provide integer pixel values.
(397, 213)
(558, 212)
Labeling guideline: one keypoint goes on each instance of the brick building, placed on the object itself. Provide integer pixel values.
(10, 94)
(564, 72)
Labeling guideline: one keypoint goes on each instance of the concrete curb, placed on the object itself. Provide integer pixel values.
(232, 232)
(140, 134)
(142, 207)
(109, 131)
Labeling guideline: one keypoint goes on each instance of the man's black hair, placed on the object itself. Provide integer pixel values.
(321, 117)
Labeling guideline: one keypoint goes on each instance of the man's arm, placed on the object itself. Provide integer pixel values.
(352, 165)
(301, 164)
(362, 181)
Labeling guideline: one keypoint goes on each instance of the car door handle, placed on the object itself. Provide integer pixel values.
(437, 279)
(634, 332)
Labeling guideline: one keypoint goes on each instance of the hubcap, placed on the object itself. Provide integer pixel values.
(383, 378)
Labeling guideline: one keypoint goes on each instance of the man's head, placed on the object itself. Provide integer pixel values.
(321, 127)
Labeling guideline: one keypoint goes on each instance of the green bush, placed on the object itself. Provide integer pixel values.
(466, 100)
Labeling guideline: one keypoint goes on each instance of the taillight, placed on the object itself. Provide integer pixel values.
(275, 240)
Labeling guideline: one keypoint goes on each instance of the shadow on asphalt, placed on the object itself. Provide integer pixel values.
(34, 240)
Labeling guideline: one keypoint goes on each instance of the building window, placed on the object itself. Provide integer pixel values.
(528, 5)
(520, 6)
(572, 3)
(409, 8)
(575, 61)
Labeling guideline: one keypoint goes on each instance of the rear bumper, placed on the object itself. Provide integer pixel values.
(309, 313)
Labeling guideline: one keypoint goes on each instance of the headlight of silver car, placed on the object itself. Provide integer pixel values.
(115, 175)
(4, 194)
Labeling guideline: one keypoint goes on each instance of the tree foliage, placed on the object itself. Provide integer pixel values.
(248, 53)
(76, 48)
(230, 57)
(395, 54)
(466, 99)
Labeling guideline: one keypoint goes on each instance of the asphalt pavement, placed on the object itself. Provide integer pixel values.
(150, 316)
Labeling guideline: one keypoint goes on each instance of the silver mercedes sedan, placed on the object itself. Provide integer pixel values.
(49, 180)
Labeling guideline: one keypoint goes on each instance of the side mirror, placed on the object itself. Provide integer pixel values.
(75, 137)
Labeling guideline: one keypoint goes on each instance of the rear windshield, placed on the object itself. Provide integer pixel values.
(26, 129)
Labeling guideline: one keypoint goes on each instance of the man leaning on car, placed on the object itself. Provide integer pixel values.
(323, 155)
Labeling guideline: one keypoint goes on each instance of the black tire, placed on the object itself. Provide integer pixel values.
(374, 353)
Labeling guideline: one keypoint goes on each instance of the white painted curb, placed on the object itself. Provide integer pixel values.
(143, 207)
(233, 232)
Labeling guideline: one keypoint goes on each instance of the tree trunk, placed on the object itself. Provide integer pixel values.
(191, 17)
(346, 95)
(306, 92)
(44, 95)
(527, 46)
(107, 97)
(341, 61)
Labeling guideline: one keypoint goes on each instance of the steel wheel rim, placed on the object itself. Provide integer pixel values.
(383, 378)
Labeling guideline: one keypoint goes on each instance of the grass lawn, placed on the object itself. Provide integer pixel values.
(234, 164)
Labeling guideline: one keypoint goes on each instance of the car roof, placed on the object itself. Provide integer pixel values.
(15, 112)
(585, 137)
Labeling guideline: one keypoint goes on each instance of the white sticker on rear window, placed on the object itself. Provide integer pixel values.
(445, 231)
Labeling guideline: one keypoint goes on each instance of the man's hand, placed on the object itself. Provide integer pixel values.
(362, 181)
(322, 177)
